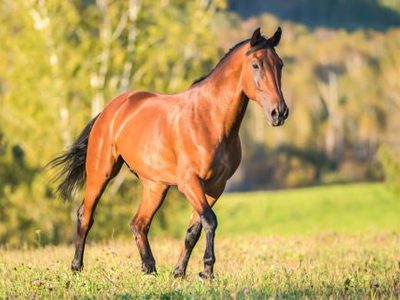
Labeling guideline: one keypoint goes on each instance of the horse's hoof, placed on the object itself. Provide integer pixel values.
(149, 269)
(178, 273)
(206, 276)
(76, 266)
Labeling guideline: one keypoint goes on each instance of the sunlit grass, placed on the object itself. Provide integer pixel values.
(314, 266)
(337, 208)
(340, 241)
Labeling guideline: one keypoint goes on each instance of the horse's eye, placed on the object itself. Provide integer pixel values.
(255, 66)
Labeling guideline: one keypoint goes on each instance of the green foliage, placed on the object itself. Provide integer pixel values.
(343, 94)
(62, 61)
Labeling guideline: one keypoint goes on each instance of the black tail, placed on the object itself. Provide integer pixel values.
(71, 164)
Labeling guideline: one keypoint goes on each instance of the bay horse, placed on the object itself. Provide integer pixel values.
(189, 139)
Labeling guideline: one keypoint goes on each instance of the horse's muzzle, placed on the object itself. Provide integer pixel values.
(278, 117)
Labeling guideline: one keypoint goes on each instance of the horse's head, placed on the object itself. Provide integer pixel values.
(261, 76)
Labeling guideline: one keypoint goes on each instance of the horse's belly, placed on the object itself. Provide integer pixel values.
(145, 147)
(151, 163)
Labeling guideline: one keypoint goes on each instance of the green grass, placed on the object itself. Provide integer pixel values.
(342, 266)
(337, 208)
(334, 241)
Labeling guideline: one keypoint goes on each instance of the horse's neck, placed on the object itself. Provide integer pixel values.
(223, 98)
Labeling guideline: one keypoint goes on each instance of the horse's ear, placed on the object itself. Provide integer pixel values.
(255, 37)
(276, 37)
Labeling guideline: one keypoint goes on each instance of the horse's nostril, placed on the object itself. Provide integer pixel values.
(274, 113)
(286, 113)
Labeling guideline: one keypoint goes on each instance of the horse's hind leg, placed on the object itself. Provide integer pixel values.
(96, 181)
(153, 196)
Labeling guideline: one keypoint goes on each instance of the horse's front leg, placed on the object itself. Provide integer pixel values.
(192, 236)
(194, 231)
(193, 189)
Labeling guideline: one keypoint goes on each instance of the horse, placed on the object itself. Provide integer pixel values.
(189, 140)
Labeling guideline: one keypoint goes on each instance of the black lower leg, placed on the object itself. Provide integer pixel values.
(80, 240)
(148, 262)
(209, 223)
(192, 236)
(140, 230)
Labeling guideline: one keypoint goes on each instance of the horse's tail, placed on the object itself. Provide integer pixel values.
(71, 164)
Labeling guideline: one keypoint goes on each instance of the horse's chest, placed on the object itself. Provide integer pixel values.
(224, 164)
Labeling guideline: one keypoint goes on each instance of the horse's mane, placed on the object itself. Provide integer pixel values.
(221, 60)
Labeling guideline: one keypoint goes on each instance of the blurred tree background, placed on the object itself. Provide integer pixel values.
(61, 61)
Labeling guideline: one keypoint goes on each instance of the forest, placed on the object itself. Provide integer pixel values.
(62, 61)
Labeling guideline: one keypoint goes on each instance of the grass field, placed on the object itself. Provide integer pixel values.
(336, 241)
(352, 208)
(338, 208)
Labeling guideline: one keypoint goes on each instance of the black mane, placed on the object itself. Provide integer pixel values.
(221, 60)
